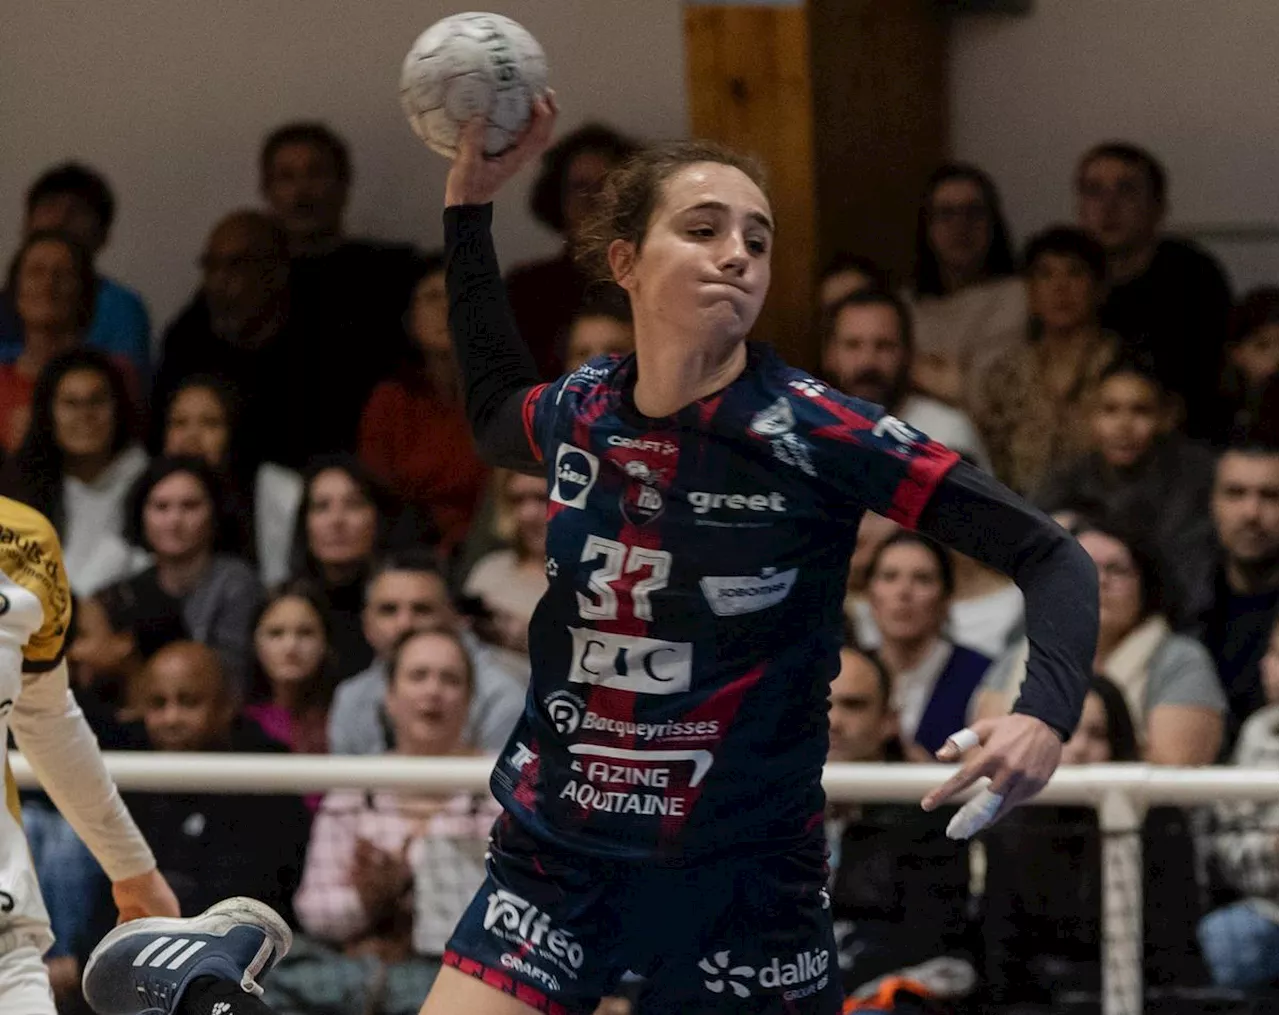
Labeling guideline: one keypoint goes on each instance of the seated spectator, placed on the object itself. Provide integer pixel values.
(1246, 401)
(77, 464)
(293, 677)
(347, 519)
(545, 295)
(432, 464)
(511, 581)
(894, 921)
(1140, 470)
(1166, 296)
(51, 284)
(173, 515)
(1167, 679)
(348, 294)
(75, 200)
(201, 419)
(909, 587)
(986, 612)
(1240, 940)
(1031, 398)
(1236, 602)
(388, 875)
(867, 350)
(214, 845)
(845, 274)
(406, 591)
(965, 299)
(241, 328)
(600, 328)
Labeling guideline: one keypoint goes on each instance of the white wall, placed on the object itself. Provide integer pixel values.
(1193, 80)
(172, 99)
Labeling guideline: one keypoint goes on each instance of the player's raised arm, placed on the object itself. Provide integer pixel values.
(497, 368)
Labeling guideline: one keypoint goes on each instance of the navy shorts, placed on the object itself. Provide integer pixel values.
(559, 931)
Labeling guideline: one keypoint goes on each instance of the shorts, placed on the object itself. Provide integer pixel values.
(24, 982)
(559, 931)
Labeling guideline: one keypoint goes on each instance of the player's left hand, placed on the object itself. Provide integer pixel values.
(1018, 753)
(146, 895)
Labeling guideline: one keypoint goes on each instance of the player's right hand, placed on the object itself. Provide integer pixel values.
(475, 177)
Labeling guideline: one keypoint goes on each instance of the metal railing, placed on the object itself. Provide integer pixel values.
(1119, 793)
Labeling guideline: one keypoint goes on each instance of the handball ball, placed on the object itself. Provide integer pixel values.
(468, 65)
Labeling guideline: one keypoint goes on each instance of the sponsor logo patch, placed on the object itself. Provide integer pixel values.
(518, 922)
(774, 421)
(575, 475)
(642, 665)
(732, 597)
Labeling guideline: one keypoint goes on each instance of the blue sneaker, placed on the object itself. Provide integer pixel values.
(144, 966)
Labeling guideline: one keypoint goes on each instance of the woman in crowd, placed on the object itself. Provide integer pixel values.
(1032, 398)
(388, 874)
(1168, 679)
(346, 520)
(201, 420)
(77, 463)
(510, 581)
(909, 588)
(965, 297)
(544, 295)
(293, 674)
(174, 515)
(1246, 404)
(52, 286)
(432, 463)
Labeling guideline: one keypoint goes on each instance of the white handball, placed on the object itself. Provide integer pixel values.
(468, 65)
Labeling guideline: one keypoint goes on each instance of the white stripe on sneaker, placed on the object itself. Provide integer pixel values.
(186, 955)
(169, 952)
(150, 950)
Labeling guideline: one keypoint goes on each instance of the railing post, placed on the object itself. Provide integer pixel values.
(1120, 822)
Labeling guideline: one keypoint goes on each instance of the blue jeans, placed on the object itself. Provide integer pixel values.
(70, 879)
(1239, 945)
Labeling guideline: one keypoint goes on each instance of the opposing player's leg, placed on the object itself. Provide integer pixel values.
(207, 963)
(24, 983)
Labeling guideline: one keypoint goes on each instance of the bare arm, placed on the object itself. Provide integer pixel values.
(1183, 735)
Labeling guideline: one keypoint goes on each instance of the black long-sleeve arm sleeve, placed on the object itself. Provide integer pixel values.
(976, 515)
(497, 368)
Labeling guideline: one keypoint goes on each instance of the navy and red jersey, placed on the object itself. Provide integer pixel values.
(697, 567)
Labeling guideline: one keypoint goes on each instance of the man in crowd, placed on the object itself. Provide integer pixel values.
(404, 592)
(1167, 295)
(76, 200)
(1238, 600)
(866, 352)
(352, 294)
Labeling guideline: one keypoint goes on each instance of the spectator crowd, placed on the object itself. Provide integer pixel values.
(281, 538)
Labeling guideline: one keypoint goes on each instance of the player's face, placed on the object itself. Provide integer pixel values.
(1115, 206)
(342, 523)
(959, 227)
(1061, 292)
(290, 641)
(1090, 744)
(67, 213)
(1257, 355)
(866, 356)
(429, 695)
(1119, 584)
(1127, 417)
(525, 497)
(185, 705)
(1244, 507)
(48, 288)
(243, 276)
(178, 517)
(198, 426)
(907, 597)
(305, 191)
(401, 601)
(861, 721)
(597, 336)
(83, 414)
(703, 267)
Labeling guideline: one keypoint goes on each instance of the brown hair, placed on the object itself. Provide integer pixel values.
(632, 192)
(438, 631)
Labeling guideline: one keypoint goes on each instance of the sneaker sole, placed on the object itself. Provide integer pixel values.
(214, 921)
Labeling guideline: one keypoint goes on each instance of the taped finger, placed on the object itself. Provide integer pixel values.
(964, 740)
(976, 815)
